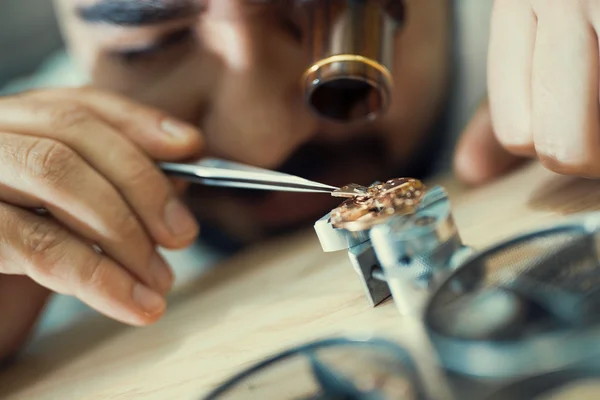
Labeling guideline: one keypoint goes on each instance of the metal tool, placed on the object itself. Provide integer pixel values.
(402, 255)
(418, 251)
(217, 172)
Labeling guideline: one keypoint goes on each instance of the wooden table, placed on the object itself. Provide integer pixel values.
(280, 294)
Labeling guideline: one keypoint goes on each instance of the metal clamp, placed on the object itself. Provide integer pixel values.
(403, 256)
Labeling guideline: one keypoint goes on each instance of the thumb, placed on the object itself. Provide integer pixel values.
(479, 156)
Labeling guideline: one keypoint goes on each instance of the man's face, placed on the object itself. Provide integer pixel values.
(233, 67)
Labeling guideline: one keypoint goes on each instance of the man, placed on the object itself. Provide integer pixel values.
(173, 79)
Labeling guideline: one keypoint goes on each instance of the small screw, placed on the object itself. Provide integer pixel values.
(425, 220)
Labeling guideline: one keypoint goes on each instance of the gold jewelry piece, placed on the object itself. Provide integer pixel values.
(400, 196)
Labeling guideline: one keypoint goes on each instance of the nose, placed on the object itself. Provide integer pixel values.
(350, 46)
(255, 112)
(258, 112)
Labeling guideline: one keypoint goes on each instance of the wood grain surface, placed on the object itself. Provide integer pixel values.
(276, 295)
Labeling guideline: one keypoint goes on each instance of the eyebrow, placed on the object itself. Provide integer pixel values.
(135, 13)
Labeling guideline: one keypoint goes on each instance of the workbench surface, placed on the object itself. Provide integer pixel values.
(279, 294)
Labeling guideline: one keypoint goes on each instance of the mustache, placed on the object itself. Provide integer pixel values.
(309, 160)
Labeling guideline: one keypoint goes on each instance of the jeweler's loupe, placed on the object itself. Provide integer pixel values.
(330, 369)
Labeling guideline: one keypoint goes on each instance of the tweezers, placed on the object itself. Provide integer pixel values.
(218, 172)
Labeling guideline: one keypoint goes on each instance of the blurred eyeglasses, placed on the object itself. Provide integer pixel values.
(329, 369)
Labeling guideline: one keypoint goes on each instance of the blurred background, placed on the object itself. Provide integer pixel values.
(29, 35)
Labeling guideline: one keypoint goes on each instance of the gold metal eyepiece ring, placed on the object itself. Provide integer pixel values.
(348, 87)
(350, 46)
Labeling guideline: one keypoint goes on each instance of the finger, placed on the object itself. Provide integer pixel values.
(565, 90)
(130, 171)
(56, 259)
(161, 136)
(479, 157)
(38, 172)
(21, 301)
(512, 39)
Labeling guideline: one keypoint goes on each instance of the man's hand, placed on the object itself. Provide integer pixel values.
(479, 156)
(543, 87)
(86, 157)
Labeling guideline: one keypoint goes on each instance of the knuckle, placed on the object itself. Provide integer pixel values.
(65, 116)
(93, 272)
(126, 226)
(48, 160)
(141, 173)
(144, 178)
(43, 237)
(43, 242)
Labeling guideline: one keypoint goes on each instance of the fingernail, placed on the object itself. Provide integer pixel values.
(149, 301)
(176, 129)
(163, 277)
(180, 220)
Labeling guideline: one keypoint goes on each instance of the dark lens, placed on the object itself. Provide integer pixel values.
(345, 99)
